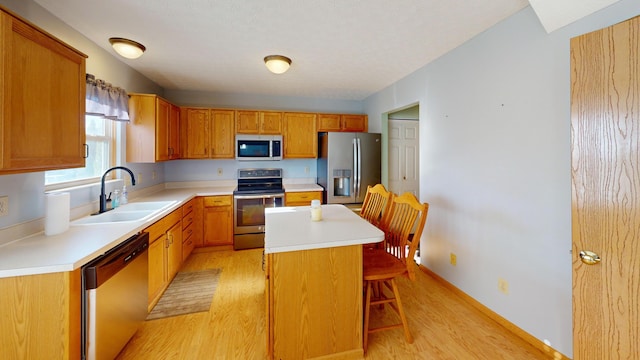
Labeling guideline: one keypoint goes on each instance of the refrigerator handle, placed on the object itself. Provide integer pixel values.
(359, 168)
(355, 167)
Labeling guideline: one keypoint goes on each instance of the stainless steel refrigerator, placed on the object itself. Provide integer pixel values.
(347, 163)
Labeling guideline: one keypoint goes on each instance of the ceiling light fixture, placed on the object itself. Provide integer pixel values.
(127, 48)
(277, 64)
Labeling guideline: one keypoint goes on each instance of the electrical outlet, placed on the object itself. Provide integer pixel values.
(453, 259)
(139, 179)
(219, 171)
(4, 205)
(154, 175)
(503, 286)
(306, 170)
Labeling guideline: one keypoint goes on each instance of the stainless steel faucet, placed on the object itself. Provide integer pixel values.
(103, 196)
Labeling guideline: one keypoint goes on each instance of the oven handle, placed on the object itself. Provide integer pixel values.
(267, 196)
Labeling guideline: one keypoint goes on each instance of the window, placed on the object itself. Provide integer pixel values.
(101, 140)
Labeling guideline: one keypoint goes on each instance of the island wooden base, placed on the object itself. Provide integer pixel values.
(314, 304)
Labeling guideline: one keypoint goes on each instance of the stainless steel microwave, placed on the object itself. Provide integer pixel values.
(258, 147)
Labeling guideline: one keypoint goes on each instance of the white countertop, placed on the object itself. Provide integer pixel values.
(291, 229)
(40, 254)
(302, 187)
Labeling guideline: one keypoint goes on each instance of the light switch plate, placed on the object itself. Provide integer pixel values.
(4, 205)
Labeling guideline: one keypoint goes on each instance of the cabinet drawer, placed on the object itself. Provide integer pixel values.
(301, 198)
(187, 232)
(187, 248)
(187, 220)
(188, 207)
(223, 200)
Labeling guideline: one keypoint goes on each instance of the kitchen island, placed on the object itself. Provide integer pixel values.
(313, 283)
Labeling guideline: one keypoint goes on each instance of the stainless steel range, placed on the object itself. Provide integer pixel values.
(257, 189)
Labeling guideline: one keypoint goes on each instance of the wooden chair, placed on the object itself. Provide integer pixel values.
(376, 204)
(382, 266)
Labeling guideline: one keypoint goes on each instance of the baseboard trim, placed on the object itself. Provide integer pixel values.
(553, 353)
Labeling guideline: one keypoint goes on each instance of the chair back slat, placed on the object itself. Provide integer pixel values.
(376, 203)
(405, 214)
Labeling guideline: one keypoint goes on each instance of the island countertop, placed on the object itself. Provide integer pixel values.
(291, 229)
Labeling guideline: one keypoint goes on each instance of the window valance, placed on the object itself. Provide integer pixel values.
(106, 100)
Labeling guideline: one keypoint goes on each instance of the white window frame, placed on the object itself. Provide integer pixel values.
(109, 138)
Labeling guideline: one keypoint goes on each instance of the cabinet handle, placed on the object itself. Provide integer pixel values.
(86, 151)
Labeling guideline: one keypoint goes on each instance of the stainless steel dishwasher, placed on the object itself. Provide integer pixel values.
(114, 298)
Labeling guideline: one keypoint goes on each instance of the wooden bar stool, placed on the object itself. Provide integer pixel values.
(376, 204)
(382, 266)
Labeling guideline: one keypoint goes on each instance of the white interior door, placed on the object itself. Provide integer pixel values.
(404, 156)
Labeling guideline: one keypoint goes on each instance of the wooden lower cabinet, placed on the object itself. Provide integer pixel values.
(218, 220)
(301, 198)
(191, 226)
(165, 254)
(40, 316)
(320, 291)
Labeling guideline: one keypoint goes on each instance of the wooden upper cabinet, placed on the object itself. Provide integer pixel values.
(345, 122)
(300, 137)
(247, 122)
(222, 134)
(208, 133)
(153, 134)
(195, 129)
(258, 122)
(270, 122)
(42, 100)
(174, 133)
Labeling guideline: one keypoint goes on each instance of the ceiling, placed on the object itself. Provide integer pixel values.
(341, 49)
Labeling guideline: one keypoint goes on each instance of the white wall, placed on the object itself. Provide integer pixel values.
(495, 166)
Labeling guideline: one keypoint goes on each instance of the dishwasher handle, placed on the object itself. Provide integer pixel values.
(104, 267)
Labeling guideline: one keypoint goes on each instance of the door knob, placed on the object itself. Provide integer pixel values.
(589, 257)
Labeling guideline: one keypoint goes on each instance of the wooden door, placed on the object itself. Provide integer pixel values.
(356, 123)
(174, 133)
(300, 137)
(246, 122)
(222, 134)
(174, 250)
(157, 273)
(196, 125)
(404, 168)
(42, 100)
(605, 164)
(270, 122)
(163, 112)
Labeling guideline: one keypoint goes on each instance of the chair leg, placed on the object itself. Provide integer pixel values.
(367, 306)
(396, 293)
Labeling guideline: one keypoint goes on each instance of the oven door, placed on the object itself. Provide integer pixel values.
(248, 218)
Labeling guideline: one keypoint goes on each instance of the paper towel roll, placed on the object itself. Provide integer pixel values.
(57, 209)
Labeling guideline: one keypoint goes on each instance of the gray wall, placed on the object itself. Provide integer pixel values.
(495, 166)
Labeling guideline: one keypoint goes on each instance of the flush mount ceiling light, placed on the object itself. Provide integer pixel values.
(277, 64)
(127, 48)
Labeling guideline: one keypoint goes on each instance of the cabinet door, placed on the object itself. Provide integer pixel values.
(218, 221)
(354, 123)
(222, 134)
(42, 83)
(174, 250)
(196, 125)
(270, 122)
(247, 122)
(300, 137)
(163, 111)
(329, 122)
(157, 272)
(174, 132)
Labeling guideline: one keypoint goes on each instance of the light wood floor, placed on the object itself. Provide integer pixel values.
(443, 325)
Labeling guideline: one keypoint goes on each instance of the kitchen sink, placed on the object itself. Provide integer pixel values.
(131, 212)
